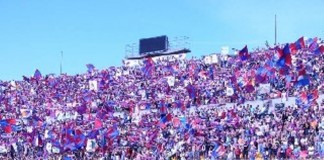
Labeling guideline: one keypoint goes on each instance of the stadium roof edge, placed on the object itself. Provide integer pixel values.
(180, 51)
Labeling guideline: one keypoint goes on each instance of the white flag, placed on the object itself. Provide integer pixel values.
(142, 93)
(93, 85)
(171, 80)
(229, 91)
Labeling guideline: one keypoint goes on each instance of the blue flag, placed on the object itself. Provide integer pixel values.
(37, 74)
(90, 67)
(244, 54)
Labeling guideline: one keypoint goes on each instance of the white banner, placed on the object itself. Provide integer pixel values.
(13, 85)
(264, 88)
(3, 149)
(225, 50)
(93, 85)
(214, 58)
(186, 82)
(229, 91)
(171, 81)
(91, 145)
(142, 93)
(131, 63)
(55, 150)
(49, 147)
(208, 60)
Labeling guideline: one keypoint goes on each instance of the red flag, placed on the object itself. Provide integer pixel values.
(176, 122)
(279, 52)
(11, 121)
(8, 129)
(169, 117)
(319, 50)
(293, 48)
(315, 94)
(302, 71)
(98, 124)
(163, 109)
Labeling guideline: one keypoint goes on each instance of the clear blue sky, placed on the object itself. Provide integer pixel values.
(33, 33)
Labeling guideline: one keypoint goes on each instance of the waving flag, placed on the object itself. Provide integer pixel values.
(163, 108)
(261, 75)
(37, 74)
(287, 55)
(147, 106)
(11, 121)
(303, 78)
(293, 48)
(163, 118)
(173, 69)
(261, 71)
(169, 68)
(313, 45)
(302, 97)
(319, 50)
(98, 124)
(82, 109)
(113, 132)
(178, 104)
(176, 122)
(166, 118)
(242, 81)
(300, 43)
(244, 53)
(148, 68)
(305, 99)
(79, 139)
(9, 125)
(279, 52)
(7, 129)
(169, 117)
(285, 58)
(309, 41)
(192, 69)
(215, 151)
(191, 91)
(211, 72)
(313, 96)
(90, 67)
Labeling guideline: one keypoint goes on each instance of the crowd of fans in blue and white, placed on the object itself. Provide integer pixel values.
(171, 108)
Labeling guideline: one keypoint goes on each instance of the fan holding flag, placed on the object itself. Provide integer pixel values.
(244, 54)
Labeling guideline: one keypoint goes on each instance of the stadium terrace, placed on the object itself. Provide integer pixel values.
(173, 108)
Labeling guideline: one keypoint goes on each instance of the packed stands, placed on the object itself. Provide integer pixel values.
(172, 108)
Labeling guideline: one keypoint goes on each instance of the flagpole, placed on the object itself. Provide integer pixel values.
(61, 63)
(275, 29)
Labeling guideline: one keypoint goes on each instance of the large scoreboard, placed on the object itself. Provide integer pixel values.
(154, 44)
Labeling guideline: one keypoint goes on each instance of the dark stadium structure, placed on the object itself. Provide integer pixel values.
(157, 46)
(180, 51)
(154, 44)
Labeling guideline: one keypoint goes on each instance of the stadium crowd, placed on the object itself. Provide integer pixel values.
(172, 108)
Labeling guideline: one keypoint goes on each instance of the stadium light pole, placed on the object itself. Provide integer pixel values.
(275, 29)
(61, 63)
